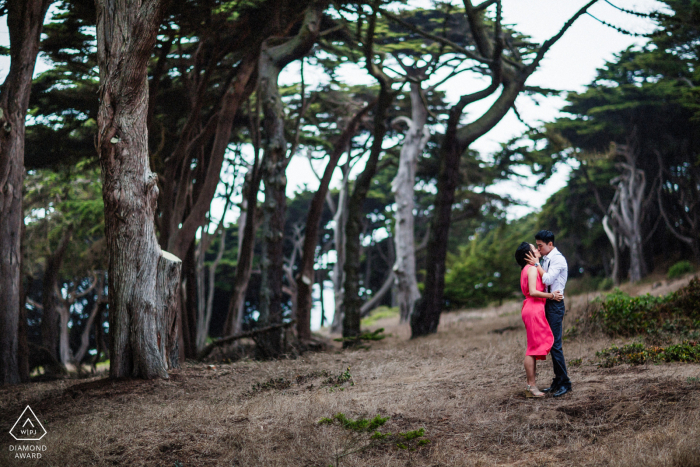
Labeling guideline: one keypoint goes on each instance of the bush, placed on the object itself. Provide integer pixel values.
(637, 354)
(679, 269)
(618, 314)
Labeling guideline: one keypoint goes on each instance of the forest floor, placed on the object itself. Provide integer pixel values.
(464, 385)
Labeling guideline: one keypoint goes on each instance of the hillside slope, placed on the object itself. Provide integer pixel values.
(464, 385)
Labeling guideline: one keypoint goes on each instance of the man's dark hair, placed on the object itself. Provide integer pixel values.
(521, 252)
(545, 235)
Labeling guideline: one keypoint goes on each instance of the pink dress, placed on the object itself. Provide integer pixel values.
(539, 335)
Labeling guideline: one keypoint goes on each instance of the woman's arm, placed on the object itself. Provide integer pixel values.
(532, 285)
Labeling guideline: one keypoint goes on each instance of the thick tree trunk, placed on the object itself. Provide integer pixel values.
(25, 19)
(627, 206)
(143, 280)
(53, 318)
(426, 316)
(306, 274)
(352, 303)
(405, 267)
(272, 60)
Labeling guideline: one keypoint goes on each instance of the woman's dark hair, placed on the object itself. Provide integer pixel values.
(521, 252)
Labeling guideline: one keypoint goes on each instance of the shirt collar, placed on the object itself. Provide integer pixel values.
(552, 253)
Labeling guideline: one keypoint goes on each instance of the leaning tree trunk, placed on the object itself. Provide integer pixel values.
(53, 316)
(97, 308)
(246, 245)
(305, 279)
(612, 237)
(273, 59)
(25, 19)
(627, 206)
(144, 281)
(426, 316)
(339, 220)
(352, 302)
(405, 267)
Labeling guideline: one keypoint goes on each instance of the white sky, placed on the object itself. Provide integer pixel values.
(569, 65)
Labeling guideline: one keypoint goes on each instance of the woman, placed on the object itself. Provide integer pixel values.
(539, 334)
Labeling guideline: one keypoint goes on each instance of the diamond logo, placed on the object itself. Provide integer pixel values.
(28, 427)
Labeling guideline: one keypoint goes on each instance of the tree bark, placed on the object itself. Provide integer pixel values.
(627, 206)
(189, 310)
(612, 237)
(273, 59)
(339, 220)
(53, 316)
(96, 308)
(305, 278)
(25, 19)
(352, 302)
(22, 329)
(405, 267)
(205, 288)
(144, 281)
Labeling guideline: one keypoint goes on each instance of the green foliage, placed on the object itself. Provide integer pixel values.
(356, 431)
(638, 354)
(364, 337)
(620, 314)
(485, 269)
(337, 382)
(680, 269)
(378, 313)
(359, 425)
(57, 200)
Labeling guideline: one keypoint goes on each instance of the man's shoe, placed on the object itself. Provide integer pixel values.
(561, 391)
(551, 389)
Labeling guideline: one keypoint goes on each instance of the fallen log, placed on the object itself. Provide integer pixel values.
(204, 353)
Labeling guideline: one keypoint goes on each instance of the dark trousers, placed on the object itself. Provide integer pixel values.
(554, 311)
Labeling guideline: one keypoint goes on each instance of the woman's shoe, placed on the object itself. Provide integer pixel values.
(532, 391)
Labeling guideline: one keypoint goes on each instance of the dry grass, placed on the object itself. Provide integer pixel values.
(464, 385)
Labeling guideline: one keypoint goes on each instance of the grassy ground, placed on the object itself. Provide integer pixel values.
(464, 385)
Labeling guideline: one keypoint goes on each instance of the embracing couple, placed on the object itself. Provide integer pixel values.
(543, 310)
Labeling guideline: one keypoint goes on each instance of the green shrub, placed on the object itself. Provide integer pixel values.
(379, 313)
(679, 269)
(357, 439)
(606, 284)
(618, 314)
(637, 354)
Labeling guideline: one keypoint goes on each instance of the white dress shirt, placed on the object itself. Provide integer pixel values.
(556, 271)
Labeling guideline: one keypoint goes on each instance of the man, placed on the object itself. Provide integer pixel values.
(554, 271)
